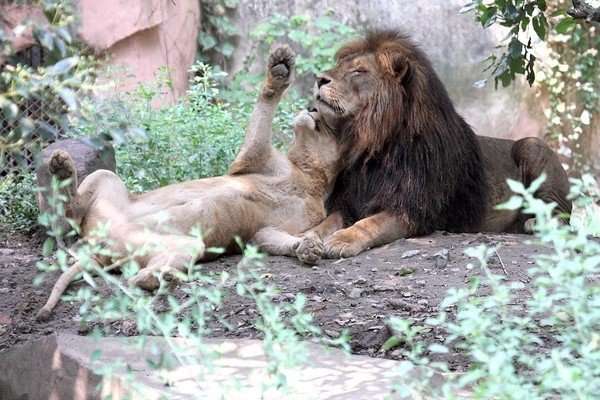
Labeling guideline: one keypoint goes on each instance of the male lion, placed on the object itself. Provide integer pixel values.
(412, 165)
(266, 198)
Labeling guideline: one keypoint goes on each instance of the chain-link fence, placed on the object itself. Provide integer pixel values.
(36, 110)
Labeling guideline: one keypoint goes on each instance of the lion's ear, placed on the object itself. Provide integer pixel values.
(398, 66)
(403, 69)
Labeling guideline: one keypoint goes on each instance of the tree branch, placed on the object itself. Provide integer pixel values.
(582, 10)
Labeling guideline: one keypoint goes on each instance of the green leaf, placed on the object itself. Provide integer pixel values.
(207, 42)
(515, 48)
(559, 12)
(539, 26)
(96, 354)
(438, 348)
(68, 97)
(11, 111)
(37, 281)
(515, 186)
(468, 7)
(542, 5)
(514, 203)
(61, 257)
(391, 343)
(488, 17)
(564, 26)
(89, 279)
(46, 40)
(535, 185)
(63, 66)
(226, 49)
(26, 125)
(48, 246)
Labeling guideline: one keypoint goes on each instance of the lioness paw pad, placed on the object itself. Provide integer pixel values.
(280, 66)
(61, 164)
(310, 249)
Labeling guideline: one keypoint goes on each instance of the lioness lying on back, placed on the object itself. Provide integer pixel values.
(266, 198)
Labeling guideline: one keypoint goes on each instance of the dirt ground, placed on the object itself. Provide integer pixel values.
(407, 278)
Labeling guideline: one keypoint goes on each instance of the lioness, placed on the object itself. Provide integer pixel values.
(266, 198)
(412, 164)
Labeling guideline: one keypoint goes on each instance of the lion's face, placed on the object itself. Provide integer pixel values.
(363, 100)
(342, 92)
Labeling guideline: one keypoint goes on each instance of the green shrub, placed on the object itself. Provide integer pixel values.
(194, 138)
(18, 207)
(547, 346)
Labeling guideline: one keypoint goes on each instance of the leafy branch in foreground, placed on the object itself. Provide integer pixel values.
(546, 346)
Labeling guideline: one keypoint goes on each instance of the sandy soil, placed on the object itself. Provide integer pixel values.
(407, 278)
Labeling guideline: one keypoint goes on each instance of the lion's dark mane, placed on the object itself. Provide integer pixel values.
(409, 152)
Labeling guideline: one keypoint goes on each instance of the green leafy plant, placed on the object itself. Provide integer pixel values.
(547, 346)
(18, 207)
(317, 39)
(194, 138)
(217, 31)
(527, 25)
(558, 54)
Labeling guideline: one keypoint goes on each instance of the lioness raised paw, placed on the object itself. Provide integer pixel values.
(310, 249)
(279, 70)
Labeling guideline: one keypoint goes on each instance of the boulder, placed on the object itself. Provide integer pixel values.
(87, 159)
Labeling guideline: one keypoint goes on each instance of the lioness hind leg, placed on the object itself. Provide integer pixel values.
(534, 157)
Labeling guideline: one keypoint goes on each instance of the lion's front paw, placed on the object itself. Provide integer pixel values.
(61, 164)
(279, 70)
(310, 249)
(342, 243)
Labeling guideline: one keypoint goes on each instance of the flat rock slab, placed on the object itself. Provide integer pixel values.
(59, 367)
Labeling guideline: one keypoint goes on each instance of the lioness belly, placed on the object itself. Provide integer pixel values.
(221, 208)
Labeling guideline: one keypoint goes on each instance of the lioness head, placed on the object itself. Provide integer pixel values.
(369, 88)
(313, 145)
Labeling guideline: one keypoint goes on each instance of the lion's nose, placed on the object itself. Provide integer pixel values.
(322, 80)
